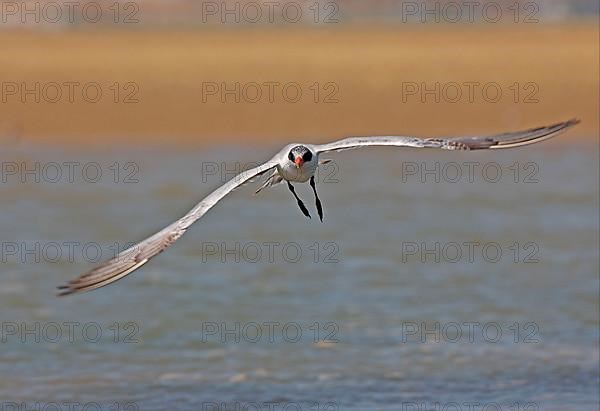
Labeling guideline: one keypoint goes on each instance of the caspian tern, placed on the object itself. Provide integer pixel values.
(294, 163)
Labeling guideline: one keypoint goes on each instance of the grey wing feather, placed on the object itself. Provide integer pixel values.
(355, 142)
(504, 140)
(273, 179)
(134, 257)
(514, 139)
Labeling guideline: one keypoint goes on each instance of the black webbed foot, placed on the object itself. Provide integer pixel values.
(319, 206)
(300, 203)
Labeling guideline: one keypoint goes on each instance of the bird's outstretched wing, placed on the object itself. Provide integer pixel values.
(504, 140)
(134, 257)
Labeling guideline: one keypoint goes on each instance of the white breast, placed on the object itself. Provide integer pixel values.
(290, 172)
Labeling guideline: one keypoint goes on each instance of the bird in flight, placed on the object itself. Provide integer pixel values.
(295, 163)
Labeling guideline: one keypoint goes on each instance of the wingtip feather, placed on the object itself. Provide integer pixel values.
(536, 135)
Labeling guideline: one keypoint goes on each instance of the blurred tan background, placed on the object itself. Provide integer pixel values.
(229, 82)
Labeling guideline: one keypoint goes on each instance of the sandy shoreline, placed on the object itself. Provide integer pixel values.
(201, 88)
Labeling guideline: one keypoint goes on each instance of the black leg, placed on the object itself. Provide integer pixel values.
(319, 206)
(300, 203)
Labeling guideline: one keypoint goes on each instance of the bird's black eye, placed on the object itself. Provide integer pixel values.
(291, 156)
(307, 156)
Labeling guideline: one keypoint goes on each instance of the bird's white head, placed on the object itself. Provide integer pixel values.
(300, 155)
